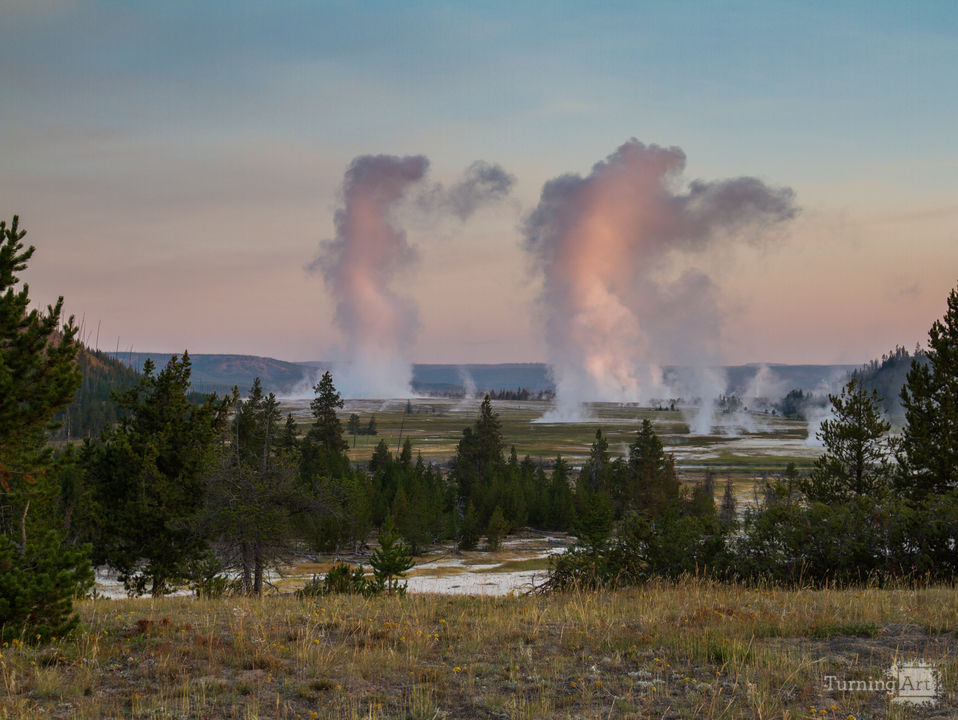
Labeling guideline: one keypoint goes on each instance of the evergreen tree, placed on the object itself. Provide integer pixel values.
(288, 441)
(855, 461)
(594, 525)
(253, 498)
(391, 561)
(479, 454)
(39, 576)
(701, 503)
(149, 475)
(327, 430)
(471, 532)
(928, 453)
(353, 426)
(653, 486)
(596, 470)
(561, 500)
(323, 450)
(496, 530)
(727, 513)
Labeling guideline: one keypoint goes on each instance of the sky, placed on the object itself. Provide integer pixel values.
(178, 164)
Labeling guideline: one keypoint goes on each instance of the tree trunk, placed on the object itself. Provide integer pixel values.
(258, 573)
(247, 567)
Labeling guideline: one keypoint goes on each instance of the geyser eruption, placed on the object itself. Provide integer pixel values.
(359, 266)
(370, 251)
(616, 298)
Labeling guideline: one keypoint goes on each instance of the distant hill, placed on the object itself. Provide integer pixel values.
(219, 373)
(887, 376)
(93, 407)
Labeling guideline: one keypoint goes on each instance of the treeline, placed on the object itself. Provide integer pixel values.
(93, 408)
(873, 509)
(183, 493)
(521, 393)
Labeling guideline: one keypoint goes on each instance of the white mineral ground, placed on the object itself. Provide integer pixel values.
(443, 572)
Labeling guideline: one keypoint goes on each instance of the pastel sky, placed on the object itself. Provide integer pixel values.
(177, 164)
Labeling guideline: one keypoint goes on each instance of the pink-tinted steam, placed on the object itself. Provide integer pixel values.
(360, 264)
(601, 242)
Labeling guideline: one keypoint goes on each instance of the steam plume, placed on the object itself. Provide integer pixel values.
(370, 251)
(482, 183)
(610, 246)
(359, 266)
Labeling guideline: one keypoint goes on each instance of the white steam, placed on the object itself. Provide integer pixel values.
(619, 298)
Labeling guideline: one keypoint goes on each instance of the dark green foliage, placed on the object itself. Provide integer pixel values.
(792, 406)
(470, 534)
(560, 498)
(479, 454)
(863, 540)
(496, 530)
(653, 487)
(253, 497)
(594, 524)
(288, 441)
(888, 376)
(93, 407)
(663, 533)
(39, 575)
(327, 430)
(149, 476)
(855, 461)
(727, 512)
(412, 495)
(673, 545)
(38, 377)
(323, 450)
(390, 561)
(354, 428)
(342, 578)
(38, 585)
(928, 454)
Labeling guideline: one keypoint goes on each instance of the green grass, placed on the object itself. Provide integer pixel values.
(436, 425)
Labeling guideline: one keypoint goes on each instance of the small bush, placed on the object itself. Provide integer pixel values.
(342, 578)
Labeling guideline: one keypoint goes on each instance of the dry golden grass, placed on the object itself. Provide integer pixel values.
(694, 649)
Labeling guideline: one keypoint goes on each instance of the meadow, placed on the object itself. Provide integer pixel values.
(434, 426)
(694, 649)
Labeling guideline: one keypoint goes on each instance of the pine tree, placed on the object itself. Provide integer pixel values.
(727, 513)
(288, 442)
(855, 461)
(928, 453)
(327, 430)
(252, 498)
(561, 500)
(391, 561)
(470, 532)
(479, 454)
(653, 487)
(353, 426)
(39, 576)
(149, 475)
(496, 530)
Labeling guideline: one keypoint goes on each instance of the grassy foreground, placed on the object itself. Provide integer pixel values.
(690, 650)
